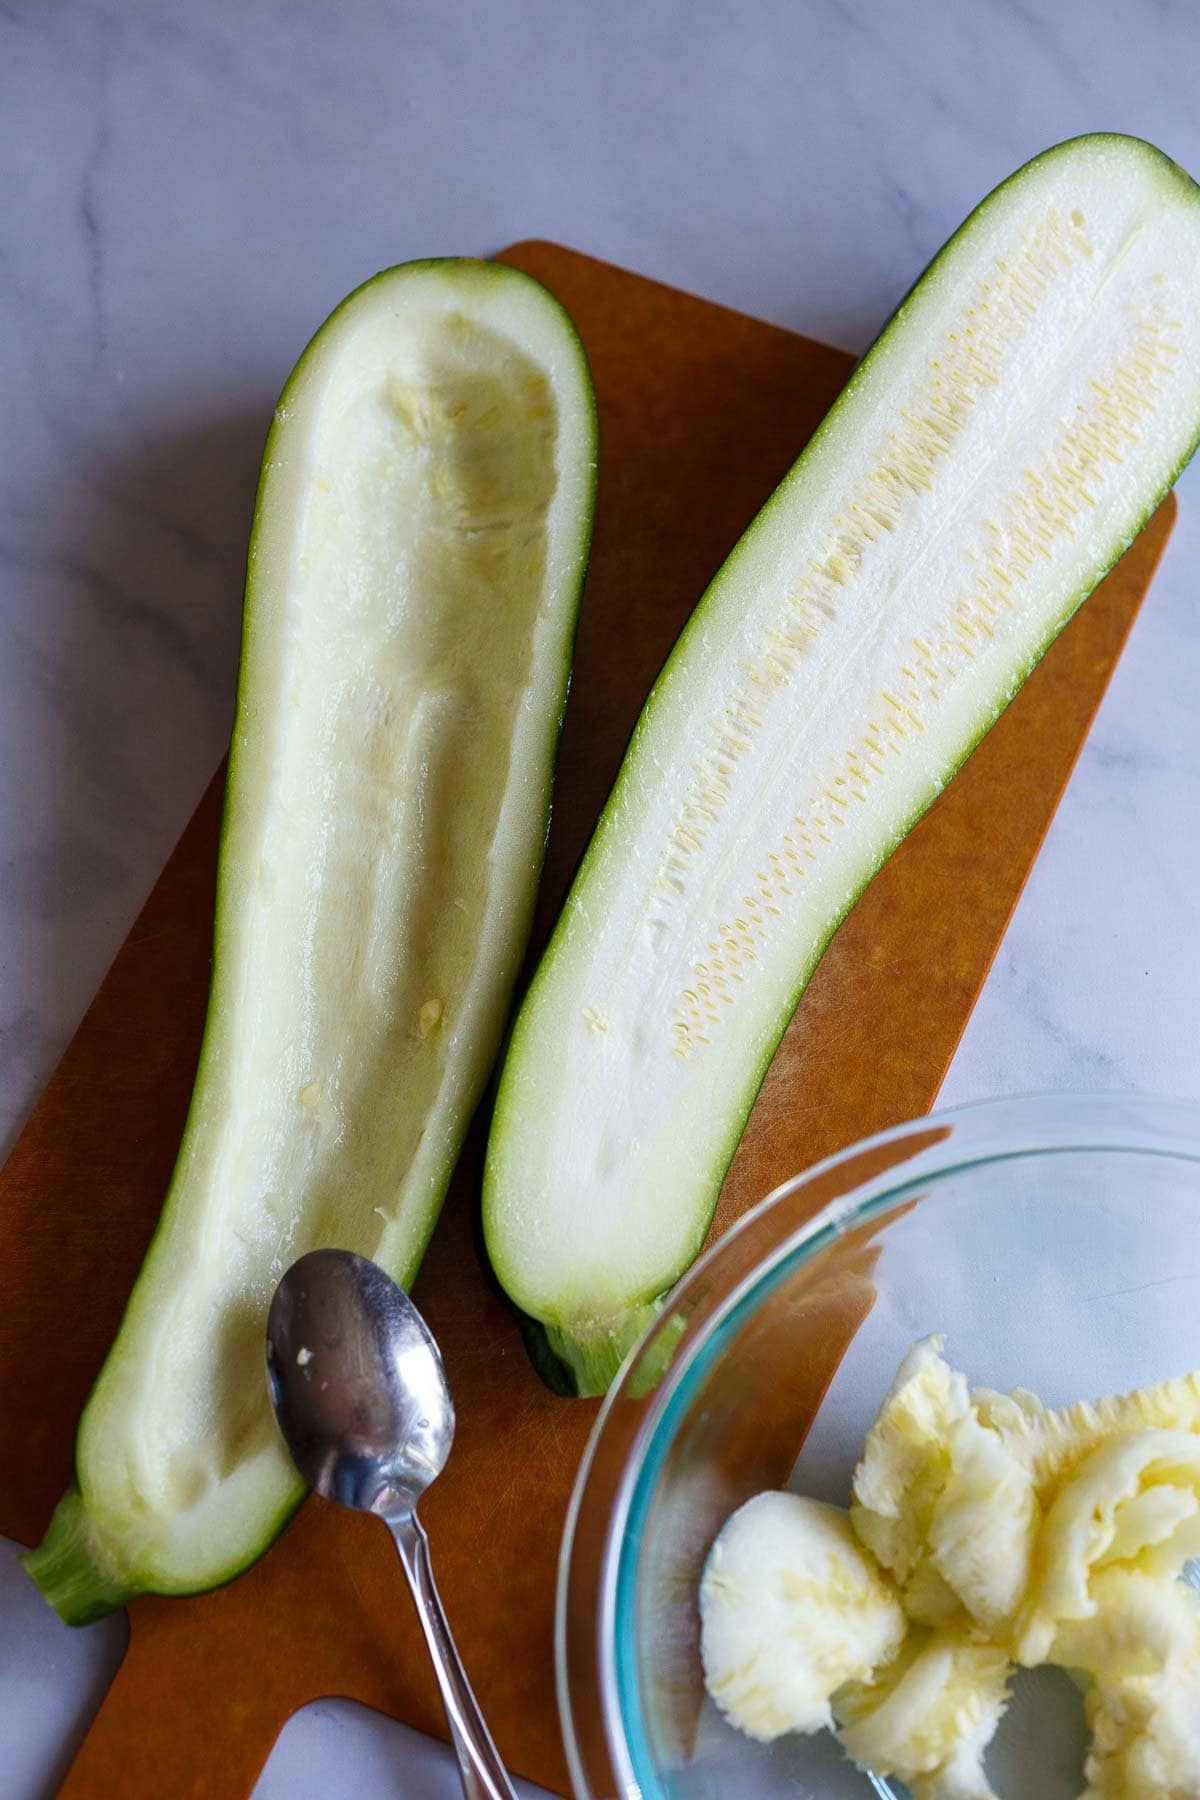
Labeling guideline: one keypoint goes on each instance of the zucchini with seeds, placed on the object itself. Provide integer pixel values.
(1023, 413)
(419, 543)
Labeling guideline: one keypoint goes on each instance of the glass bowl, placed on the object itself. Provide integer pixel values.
(1054, 1241)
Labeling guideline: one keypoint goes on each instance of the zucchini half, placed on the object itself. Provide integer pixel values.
(418, 549)
(1025, 410)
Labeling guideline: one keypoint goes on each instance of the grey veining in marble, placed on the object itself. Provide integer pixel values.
(189, 187)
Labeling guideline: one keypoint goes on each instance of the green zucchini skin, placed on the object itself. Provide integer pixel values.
(589, 1255)
(460, 334)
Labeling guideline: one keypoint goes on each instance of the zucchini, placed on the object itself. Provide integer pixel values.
(1025, 410)
(418, 548)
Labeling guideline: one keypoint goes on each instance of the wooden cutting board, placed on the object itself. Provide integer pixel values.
(701, 411)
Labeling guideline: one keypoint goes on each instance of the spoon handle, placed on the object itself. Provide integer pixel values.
(483, 1774)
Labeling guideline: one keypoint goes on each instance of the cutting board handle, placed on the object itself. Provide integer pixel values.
(183, 1715)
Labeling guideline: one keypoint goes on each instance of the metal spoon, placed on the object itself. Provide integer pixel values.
(361, 1398)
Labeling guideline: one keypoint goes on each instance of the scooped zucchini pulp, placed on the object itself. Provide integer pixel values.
(1024, 411)
(418, 548)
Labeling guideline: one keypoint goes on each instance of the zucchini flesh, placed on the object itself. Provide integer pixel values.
(1005, 438)
(414, 572)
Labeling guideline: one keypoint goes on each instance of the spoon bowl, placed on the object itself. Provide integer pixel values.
(357, 1384)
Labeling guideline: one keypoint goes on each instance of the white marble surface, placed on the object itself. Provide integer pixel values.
(189, 188)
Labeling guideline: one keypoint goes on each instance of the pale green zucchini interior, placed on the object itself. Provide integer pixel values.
(410, 609)
(1027, 407)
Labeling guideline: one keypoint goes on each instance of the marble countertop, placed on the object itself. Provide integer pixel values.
(190, 187)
